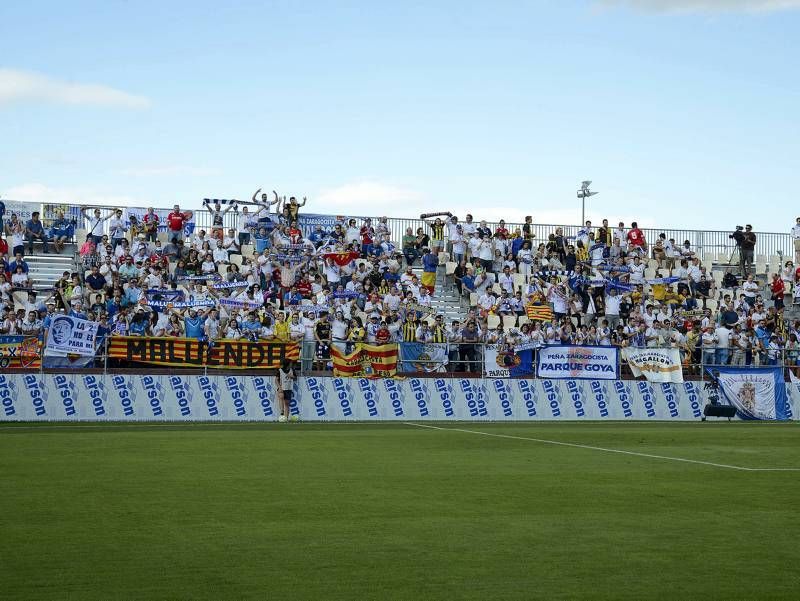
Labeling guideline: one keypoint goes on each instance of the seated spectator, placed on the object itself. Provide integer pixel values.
(20, 279)
(61, 231)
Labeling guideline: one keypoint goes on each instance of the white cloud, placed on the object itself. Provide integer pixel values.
(705, 6)
(41, 193)
(25, 86)
(371, 197)
(169, 170)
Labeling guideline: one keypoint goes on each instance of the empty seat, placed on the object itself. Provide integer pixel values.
(450, 267)
(509, 321)
(492, 321)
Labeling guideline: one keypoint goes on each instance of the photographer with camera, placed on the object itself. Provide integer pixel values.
(746, 244)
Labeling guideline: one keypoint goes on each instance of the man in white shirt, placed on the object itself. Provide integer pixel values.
(506, 280)
(637, 271)
(723, 335)
(613, 301)
(750, 288)
(796, 238)
(117, 229)
(94, 222)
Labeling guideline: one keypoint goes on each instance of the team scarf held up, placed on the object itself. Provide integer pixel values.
(199, 278)
(180, 305)
(235, 303)
(228, 285)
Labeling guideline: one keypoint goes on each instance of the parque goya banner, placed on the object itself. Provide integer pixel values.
(188, 352)
(581, 362)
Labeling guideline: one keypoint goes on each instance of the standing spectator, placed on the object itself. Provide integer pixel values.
(15, 229)
(430, 262)
(94, 222)
(117, 229)
(150, 221)
(218, 218)
(3, 214)
(747, 248)
(778, 290)
(636, 240)
(34, 231)
(176, 221)
(795, 238)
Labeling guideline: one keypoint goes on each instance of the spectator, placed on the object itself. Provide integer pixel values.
(61, 231)
(95, 222)
(176, 222)
(117, 227)
(746, 249)
(34, 232)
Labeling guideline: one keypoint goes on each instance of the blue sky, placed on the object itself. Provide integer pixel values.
(682, 112)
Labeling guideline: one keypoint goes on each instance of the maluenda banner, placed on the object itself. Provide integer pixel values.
(578, 362)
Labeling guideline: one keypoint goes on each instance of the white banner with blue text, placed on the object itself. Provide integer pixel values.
(581, 362)
(110, 397)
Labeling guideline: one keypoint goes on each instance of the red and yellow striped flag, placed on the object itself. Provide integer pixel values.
(366, 360)
(539, 312)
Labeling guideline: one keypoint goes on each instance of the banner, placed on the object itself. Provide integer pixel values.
(234, 303)
(188, 352)
(416, 356)
(655, 364)
(175, 397)
(21, 209)
(308, 222)
(757, 393)
(20, 352)
(71, 336)
(365, 360)
(578, 362)
(342, 258)
(138, 214)
(163, 304)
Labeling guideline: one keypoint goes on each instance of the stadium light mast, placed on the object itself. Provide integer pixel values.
(583, 194)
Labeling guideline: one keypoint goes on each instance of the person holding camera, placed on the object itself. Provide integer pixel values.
(746, 242)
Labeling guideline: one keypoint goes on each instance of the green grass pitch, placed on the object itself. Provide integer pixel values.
(393, 511)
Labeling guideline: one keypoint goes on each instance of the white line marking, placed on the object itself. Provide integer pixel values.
(592, 448)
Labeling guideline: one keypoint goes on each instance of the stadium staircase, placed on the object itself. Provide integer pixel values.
(46, 269)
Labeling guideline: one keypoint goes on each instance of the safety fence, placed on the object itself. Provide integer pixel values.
(449, 359)
(715, 242)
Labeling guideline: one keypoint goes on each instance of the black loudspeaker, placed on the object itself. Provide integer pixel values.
(719, 411)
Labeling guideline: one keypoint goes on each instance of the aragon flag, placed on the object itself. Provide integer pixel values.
(366, 361)
(539, 312)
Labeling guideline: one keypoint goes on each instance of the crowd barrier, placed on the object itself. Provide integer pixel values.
(115, 397)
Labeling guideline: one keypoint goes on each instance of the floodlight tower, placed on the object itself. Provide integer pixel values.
(583, 193)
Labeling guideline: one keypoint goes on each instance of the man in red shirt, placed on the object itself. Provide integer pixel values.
(636, 241)
(175, 222)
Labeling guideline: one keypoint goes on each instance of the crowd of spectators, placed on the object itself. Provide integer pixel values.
(267, 279)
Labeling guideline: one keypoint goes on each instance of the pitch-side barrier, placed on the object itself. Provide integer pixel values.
(116, 397)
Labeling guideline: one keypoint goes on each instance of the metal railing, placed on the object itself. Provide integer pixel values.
(703, 241)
